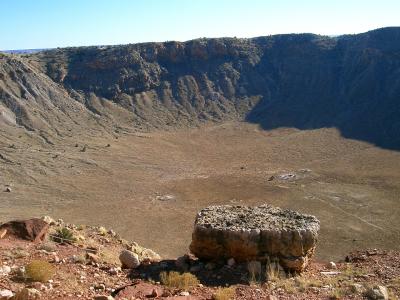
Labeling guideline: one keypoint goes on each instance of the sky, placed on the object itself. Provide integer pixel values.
(36, 24)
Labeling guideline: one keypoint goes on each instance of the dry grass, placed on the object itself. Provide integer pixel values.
(394, 283)
(39, 270)
(183, 281)
(110, 255)
(68, 280)
(47, 246)
(254, 269)
(19, 253)
(224, 293)
(351, 271)
(289, 285)
(337, 293)
(273, 270)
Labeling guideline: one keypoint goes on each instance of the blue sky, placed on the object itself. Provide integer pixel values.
(27, 24)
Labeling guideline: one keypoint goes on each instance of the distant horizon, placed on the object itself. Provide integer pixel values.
(183, 41)
(45, 24)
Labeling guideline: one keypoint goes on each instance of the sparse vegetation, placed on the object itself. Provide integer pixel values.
(47, 246)
(64, 235)
(395, 283)
(272, 270)
(227, 293)
(19, 253)
(337, 293)
(289, 285)
(80, 259)
(39, 270)
(183, 281)
(254, 269)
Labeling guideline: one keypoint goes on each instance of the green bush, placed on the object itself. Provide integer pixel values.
(64, 235)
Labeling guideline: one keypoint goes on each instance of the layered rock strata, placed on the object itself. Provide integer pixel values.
(262, 233)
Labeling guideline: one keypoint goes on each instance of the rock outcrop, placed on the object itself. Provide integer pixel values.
(255, 233)
(33, 229)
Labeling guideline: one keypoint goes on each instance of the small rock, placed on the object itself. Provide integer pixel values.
(27, 294)
(3, 233)
(77, 259)
(5, 294)
(80, 238)
(99, 297)
(49, 220)
(8, 189)
(150, 255)
(5, 270)
(142, 290)
(92, 250)
(55, 259)
(129, 259)
(184, 294)
(102, 230)
(100, 287)
(19, 271)
(272, 297)
(155, 293)
(92, 257)
(231, 262)
(165, 198)
(114, 271)
(287, 176)
(332, 266)
(378, 292)
(357, 288)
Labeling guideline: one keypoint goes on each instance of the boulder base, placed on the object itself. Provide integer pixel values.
(255, 233)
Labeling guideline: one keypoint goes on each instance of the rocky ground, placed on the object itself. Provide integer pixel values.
(90, 268)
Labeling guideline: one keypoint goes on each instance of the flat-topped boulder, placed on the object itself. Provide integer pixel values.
(255, 233)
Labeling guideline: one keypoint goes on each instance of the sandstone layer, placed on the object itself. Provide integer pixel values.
(260, 233)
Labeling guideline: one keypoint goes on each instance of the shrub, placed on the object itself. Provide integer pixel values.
(20, 253)
(336, 294)
(48, 246)
(183, 281)
(224, 293)
(64, 235)
(39, 270)
(288, 285)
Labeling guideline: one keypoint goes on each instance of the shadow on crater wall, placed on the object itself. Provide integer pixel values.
(352, 84)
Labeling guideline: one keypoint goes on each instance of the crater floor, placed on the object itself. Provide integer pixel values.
(149, 186)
